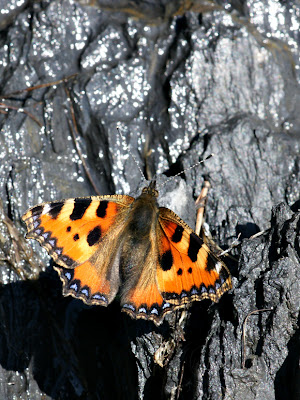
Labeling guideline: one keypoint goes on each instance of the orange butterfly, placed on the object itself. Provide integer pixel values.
(106, 243)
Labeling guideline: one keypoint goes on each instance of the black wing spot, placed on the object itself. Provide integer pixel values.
(101, 210)
(210, 264)
(190, 270)
(93, 236)
(179, 271)
(177, 235)
(195, 245)
(76, 237)
(55, 209)
(37, 210)
(68, 229)
(80, 207)
(166, 261)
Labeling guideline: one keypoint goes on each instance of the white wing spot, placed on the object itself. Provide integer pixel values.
(46, 209)
(218, 267)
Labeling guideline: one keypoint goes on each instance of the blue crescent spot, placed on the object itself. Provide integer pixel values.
(203, 289)
(74, 286)
(68, 275)
(99, 297)
(85, 292)
(130, 306)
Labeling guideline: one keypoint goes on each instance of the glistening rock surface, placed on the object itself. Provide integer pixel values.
(182, 83)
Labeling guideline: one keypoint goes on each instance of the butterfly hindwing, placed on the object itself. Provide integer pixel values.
(81, 235)
(140, 296)
(187, 269)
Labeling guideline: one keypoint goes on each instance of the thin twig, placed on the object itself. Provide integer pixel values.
(21, 110)
(200, 204)
(233, 244)
(259, 234)
(180, 381)
(41, 86)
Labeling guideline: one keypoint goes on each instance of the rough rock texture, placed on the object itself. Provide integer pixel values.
(182, 79)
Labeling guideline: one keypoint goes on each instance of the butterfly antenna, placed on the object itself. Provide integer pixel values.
(187, 169)
(132, 155)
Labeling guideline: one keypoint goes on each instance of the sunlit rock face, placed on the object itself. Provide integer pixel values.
(181, 80)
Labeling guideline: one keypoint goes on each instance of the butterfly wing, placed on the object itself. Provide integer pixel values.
(83, 235)
(174, 268)
(187, 269)
(140, 296)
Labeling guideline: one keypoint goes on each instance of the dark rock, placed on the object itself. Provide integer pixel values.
(180, 84)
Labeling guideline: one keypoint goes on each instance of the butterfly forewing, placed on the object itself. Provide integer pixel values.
(81, 235)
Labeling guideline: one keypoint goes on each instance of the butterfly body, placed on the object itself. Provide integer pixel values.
(108, 244)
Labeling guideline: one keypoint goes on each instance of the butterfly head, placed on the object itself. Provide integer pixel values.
(151, 189)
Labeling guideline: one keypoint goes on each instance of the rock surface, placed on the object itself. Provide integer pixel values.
(182, 80)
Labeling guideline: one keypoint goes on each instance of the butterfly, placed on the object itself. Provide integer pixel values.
(103, 245)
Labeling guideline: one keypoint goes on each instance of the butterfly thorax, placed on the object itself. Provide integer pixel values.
(144, 214)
